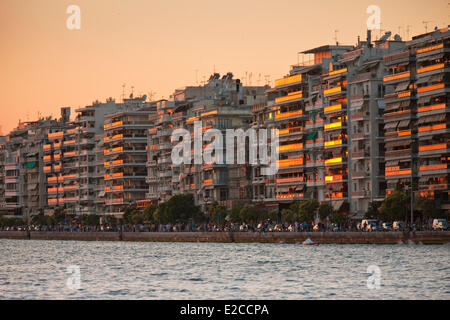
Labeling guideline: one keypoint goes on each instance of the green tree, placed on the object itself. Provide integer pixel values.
(339, 218)
(426, 206)
(181, 208)
(149, 211)
(235, 214)
(215, 211)
(325, 210)
(287, 215)
(395, 206)
(306, 209)
(373, 210)
(248, 213)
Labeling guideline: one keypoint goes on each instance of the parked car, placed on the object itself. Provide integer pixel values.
(440, 224)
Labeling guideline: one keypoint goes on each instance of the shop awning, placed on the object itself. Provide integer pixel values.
(101, 194)
(337, 204)
(391, 163)
(392, 107)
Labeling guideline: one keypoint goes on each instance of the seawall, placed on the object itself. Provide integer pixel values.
(425, 237)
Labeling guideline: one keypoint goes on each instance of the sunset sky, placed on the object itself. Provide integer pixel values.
(159, 45)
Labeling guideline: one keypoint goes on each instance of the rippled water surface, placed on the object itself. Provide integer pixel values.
(138, 270)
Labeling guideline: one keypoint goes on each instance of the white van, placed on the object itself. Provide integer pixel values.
(440, 224)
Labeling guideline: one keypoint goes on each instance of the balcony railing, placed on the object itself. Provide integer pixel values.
(288, 114)
(333, 160)
(431, 68)
(430, 167)
(331, 143)
(430, 48)
(433, 147)
(291, 96)
(433, 127)
(290, 162)
(332, 90)
(294, 146)
(289, 180)
(396, 171)
(288, 80)
(397, 76)
(432, 108)
(289, 195)
(336, 107)
(289, 130)
(431, 88)
(333, 125)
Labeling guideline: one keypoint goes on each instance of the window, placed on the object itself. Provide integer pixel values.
(223, 194)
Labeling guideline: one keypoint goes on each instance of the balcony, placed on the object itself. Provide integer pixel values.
(398, 76)
(403, 153)
(334, 90)
(289, 180)
(314, 124)
(332, 109)
(334, 161)
(360, 194)
(360, 175)
(335, 72)
(397, 134)
(361, 154)
(403, 114)
(70, 154)
(430, 48)
(336, 178)
(288, 114)
(430, 88)
(391, 97)
(56, 135)
(288, 80)
(289, 196)
(335, 195)
(289, 131)
(434, 168)
(312, 163)
(69, 142)
(290, 162)
(291, 96)
(433, 128)
(333, 125)
(433, 149)
(333, 143)
(433, 67)
(290, 147)
(396, 171)
(441, 107)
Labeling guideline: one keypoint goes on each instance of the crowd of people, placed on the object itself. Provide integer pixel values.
(261, 226)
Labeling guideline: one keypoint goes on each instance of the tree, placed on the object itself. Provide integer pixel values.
(305, 209)
(149, 211)
(373, 210)
(338, 218)
(325, 210)
(426, 206)
(248, 213)
(395, 205)
(287, 215)
(179, 208)
(235, 214)
(215, 211)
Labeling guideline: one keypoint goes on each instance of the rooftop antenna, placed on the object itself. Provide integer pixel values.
(250, 79)
(151, 94)
(196, 76)
(425, 23)
(267, 77)
(408, 27)
(132, 90)
(335, 37)
(123, 91)
(259, 79)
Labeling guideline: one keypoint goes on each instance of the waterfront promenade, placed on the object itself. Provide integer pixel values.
(394, 237)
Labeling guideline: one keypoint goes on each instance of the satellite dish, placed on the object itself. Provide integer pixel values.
(397, 38)
(131, 96)
(144, 97)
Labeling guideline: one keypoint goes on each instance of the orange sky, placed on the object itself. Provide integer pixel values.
(157, 45)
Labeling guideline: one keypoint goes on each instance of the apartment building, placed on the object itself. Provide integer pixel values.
(2, 172)
(432, 89)
(125, 154)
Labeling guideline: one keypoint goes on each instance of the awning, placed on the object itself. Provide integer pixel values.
(300, 187)
(422, 80)
(437, 77)
(337, 204)
(311, 135)
(423, 179)
(426, 119)
(405, 103)
(101, 194)
(392, 107)
(403, 123)
(391, 163)
(423, 100)
(31, 165)
(32, 187)
(282, 189)
(402, 86)
(368, 65)
(391, 125)
(398, 143)
(432, 57)
(356, 104)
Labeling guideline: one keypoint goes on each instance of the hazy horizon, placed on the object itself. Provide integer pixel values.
(159, 46)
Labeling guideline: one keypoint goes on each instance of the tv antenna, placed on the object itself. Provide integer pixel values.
(335, 36)
(425, 23)
(267, 77)
(407, 31)
(196, 76)
(123, 91)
